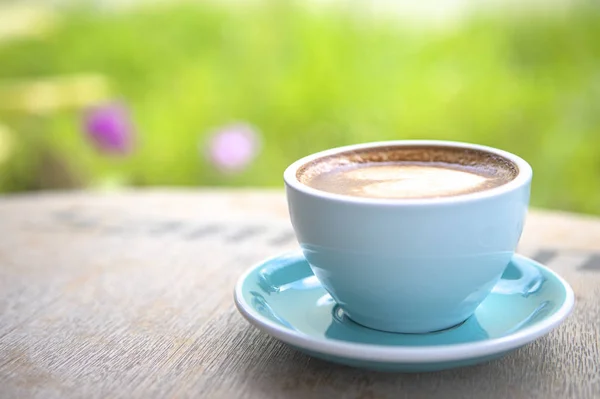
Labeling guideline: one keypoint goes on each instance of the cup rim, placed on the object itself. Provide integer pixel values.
(523, 177)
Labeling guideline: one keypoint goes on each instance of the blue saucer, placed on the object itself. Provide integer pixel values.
(282, 297)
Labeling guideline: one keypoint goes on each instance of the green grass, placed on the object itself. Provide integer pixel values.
(311, 81)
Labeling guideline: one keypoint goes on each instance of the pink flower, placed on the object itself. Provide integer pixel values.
(233, 147)
(110, 128)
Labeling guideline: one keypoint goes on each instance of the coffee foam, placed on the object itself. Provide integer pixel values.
(411, 181)
(408, 172)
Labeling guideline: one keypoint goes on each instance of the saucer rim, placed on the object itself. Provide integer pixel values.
(394, 354)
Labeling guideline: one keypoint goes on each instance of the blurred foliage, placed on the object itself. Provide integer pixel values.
(309, 81)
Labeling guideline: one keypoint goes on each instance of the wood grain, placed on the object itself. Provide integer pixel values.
(130, 295)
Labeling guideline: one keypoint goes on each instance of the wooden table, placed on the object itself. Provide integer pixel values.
(130, 295)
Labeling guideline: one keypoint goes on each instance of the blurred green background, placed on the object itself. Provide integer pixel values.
(305, 78)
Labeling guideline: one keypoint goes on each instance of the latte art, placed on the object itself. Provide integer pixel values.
(409, 173)
(410, 181)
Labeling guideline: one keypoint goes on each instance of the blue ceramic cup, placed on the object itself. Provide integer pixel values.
(409, 265)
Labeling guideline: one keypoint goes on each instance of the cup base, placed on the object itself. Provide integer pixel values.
(403, 327)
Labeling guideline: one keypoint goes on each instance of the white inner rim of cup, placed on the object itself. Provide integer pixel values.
(524, 173)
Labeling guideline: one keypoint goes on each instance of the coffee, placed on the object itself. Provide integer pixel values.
(408, 172)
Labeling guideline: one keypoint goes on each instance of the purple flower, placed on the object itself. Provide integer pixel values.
(110, 128)
(232, 147)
